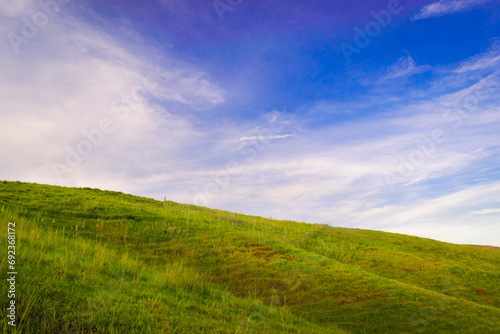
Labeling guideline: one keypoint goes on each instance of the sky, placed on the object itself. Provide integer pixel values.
(379, 115)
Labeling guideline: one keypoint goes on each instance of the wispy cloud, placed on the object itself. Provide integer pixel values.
(445, 7)
(488, 59)
(251, 138)
(337, 173)
(405, 66)
(485, 211)
(69, 79)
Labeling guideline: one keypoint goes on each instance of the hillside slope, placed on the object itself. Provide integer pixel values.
(100, 261)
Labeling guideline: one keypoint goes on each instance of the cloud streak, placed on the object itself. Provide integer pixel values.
(405, 66)
(488, 59)
(485, 212)
(446, 7)
(252, 138)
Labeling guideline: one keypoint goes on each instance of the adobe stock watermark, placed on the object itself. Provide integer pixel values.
(11, 273)
(93, 138)
(249, 150)
(372, 29)
(223, 6)
(427, 147)
(32, 25)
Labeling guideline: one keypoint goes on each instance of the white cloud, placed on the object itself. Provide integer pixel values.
(485, 212)
(251, 138)
(70, 77)
(488, 59)
(403, 67)
(445, 7)
(190, 88)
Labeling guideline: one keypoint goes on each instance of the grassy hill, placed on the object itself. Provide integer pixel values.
(92, 261)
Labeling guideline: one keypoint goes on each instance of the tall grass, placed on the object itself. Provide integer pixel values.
(71, 284)
(104, 261)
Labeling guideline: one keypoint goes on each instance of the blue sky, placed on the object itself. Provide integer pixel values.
(369, 114)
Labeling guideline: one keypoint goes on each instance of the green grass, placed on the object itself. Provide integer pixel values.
(99, 261)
